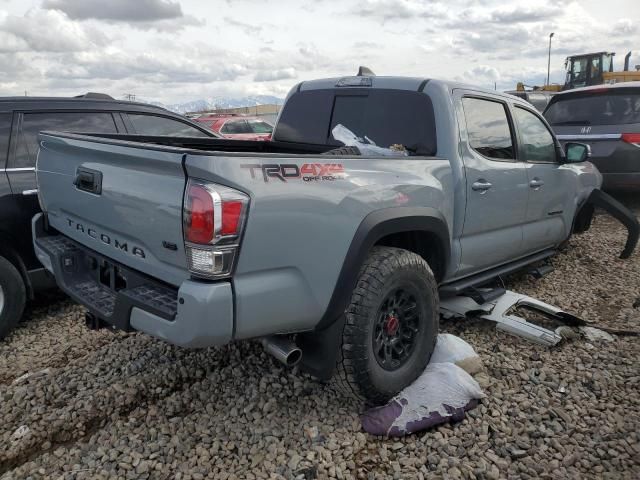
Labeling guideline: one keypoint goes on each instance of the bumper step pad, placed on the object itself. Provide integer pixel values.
(81, 274)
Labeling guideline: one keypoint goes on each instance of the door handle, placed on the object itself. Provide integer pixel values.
(481, 186)
(536, 183)
(88, 180)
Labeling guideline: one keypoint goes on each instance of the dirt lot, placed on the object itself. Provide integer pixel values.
(103, 405)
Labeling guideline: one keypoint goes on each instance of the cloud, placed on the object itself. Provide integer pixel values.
(526, 15)
(480, 75)
(15, 67)
(396, 9)
(118, 10)
(269, 76)
(248, 28)
(149, 68)
(46, 31)
(143, 14)
(625, 27)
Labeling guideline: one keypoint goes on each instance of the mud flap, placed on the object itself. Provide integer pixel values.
(621, 213)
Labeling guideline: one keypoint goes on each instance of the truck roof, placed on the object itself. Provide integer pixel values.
(396, 83)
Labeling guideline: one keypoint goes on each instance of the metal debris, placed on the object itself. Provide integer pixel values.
(497, 310)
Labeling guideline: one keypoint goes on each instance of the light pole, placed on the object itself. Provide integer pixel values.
(549, 60)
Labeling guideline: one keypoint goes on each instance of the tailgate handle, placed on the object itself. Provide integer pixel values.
(88, 180)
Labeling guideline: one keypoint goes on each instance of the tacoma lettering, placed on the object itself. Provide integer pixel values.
(106, 239)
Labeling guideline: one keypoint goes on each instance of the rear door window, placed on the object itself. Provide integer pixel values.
(614, 107)
(154, 125)
(5, 133)
(384, 117)
(76, 122)
(488, 128)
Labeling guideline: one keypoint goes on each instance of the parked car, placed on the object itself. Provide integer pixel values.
(21, 119)
(237, 127)
(538, 98)
(336, 259)
(607, 118)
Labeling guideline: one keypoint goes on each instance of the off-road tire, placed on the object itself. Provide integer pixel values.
(358, 371)
(14, 294)
(343, 151)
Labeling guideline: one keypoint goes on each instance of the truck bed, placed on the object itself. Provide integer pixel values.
(302, 220)
(210, 144)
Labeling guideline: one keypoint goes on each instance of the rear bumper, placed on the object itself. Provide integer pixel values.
(197, 314)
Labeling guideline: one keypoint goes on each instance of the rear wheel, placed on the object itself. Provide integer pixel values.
(13, 296)
(391, 325)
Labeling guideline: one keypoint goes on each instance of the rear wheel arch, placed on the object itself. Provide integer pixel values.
(404, 226)
(399, 227)
(425, 243)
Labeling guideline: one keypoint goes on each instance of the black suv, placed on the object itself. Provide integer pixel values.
(21, 119)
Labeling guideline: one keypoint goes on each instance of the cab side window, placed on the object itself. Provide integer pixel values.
(537, 142)
(76, 122)
(488, 128)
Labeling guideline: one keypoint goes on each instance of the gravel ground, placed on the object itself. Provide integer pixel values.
(103, 405)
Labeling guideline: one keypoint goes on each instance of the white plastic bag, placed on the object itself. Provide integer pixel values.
(442, 393)
(452, 349)
(365, 145)
(441, 385)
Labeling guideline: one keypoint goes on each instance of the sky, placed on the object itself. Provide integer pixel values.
(173, 51)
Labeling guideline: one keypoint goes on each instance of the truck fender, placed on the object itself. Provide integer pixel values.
(599, 199)
(320, 346)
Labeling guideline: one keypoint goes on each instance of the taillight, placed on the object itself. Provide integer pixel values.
(633, 138)
(213, 219)
(199, 213)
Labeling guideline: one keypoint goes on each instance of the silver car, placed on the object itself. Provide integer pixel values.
(607, 117)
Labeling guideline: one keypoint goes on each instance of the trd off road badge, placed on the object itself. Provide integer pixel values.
(309, 172)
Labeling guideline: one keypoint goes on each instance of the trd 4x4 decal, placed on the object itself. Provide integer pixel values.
(309, 172)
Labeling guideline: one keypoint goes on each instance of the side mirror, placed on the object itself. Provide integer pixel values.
(577, 152)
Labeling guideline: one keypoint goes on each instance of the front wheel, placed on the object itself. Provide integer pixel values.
(391, 325)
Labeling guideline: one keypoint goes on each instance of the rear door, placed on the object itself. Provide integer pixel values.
(496, 184)
(552, 188)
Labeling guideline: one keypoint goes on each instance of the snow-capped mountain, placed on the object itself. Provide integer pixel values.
(220, 102)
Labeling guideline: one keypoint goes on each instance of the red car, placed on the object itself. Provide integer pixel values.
(237, 127)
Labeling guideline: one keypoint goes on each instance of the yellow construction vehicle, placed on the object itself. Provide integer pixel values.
(596, 69)
(589, 69)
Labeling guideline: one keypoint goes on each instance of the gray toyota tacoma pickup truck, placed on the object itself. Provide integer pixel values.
(322, 251)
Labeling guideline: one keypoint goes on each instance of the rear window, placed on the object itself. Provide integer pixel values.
(604, 108)
(385, 117)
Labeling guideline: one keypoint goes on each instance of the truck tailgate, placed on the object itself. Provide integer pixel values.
(122, 201)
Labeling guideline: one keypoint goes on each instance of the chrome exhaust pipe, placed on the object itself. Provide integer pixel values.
(283, 349)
